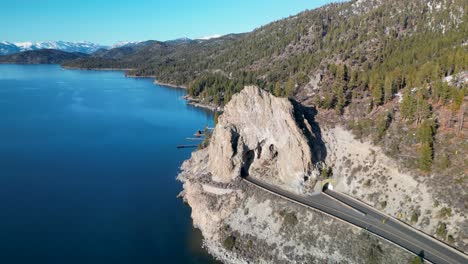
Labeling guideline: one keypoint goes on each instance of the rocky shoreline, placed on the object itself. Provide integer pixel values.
(191, 100)
(197, 103)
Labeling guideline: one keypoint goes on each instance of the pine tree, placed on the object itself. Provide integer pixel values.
(290, 87)
(277, 91)
(388, 88)
(408, 106)
(425, 157)
(345, 76)
(354, 79)
(398, 80)
(328, 101)
(457, 98)
(340, 98)
(435, 90)
(423, 108)
(227, 96)
(426, 131)
(376, 90)
(444, 92)
(425, 135)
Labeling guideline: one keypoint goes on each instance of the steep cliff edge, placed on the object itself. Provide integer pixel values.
(279, 141)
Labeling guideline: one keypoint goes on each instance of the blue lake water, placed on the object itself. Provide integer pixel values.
(88, 162)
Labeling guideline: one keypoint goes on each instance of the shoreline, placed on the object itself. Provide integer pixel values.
(96, 69)
(196, 103)
(190, 100)
(140, 76)
(170, 84)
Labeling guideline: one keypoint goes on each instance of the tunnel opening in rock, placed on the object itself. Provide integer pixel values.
(247, 161)
(327, 186)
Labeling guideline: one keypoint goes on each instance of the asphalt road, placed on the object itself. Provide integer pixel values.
(359, 214)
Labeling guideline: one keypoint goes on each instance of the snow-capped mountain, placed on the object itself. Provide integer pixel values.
(8, 48)
(83, 47)
(124, 44)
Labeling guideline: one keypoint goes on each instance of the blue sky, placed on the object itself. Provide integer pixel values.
(109, 21)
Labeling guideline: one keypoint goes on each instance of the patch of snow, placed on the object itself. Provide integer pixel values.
(399, 95)
(23, 45)
(211, 37)
(124, 43)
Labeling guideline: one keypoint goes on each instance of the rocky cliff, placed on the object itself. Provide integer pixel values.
(264, 136)
(280, 141)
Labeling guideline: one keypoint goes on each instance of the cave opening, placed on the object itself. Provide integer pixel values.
(248, 159)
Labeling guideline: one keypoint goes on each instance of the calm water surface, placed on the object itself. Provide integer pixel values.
(87, 168)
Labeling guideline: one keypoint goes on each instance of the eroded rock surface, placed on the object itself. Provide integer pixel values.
(263, 136)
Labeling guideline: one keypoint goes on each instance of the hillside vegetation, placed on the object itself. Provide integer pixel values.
(380, 67)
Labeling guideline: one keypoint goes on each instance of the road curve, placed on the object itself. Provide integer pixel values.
(361, 215)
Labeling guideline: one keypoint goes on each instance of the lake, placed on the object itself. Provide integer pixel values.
(88, 162)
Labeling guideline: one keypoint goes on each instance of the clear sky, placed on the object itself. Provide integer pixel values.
(109, 21)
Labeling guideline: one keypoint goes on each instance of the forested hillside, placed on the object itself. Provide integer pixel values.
(374, 65)
(42, 56)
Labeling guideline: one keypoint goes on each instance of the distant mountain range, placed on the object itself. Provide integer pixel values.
(53, 52)
(7, 48)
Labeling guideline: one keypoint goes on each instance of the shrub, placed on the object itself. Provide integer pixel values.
(368, 183)
(451, 239)
(442, 230)
(383, 204)
(250, 243)
(326, 172)
(383, 123)
(290, 219)
(229, 242)
(216, 117)
(374, 254)
(414, 218)
(444, 162)
(417, 260)
(445, 212)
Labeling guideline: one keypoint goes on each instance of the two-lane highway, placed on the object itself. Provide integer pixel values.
(359, 214)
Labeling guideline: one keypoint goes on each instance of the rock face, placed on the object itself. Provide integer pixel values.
(262, 136)
(277, 141)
